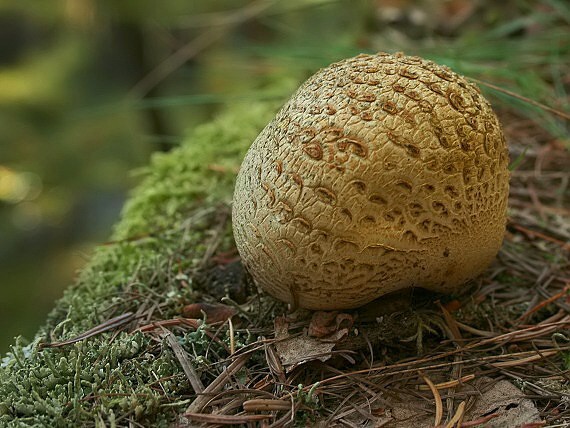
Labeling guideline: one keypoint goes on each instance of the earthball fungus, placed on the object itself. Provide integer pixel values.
(382, 172)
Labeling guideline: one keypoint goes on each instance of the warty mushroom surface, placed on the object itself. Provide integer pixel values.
(382, 172)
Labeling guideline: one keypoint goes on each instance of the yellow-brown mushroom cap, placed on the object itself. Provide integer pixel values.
(382, 172)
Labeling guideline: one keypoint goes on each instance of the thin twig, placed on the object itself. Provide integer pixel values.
(225, 419)
(217, 384)
(195, 46)
(267, 405)
(437, 398)
(546, 302)
(449, 384)
(522, 98)
(478, 422)
(101, 328)
(185, 362)
(536, 234)
(457, 417)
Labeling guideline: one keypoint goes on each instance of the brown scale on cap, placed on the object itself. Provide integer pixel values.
(382, 172)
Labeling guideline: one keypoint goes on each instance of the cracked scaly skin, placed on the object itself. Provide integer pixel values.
(382, 172)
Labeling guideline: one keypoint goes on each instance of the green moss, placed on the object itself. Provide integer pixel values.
(108, 380)
(193, 172)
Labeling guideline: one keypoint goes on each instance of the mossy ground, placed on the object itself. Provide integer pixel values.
(511, 323)
(113, 377)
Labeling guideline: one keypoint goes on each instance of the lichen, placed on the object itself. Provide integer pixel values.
(112, 378)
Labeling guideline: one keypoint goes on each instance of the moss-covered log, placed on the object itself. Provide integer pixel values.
(145, 270)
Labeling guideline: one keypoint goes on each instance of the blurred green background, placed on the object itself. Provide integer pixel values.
(89, 89)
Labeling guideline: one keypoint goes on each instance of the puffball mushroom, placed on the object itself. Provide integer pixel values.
(382, 172)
